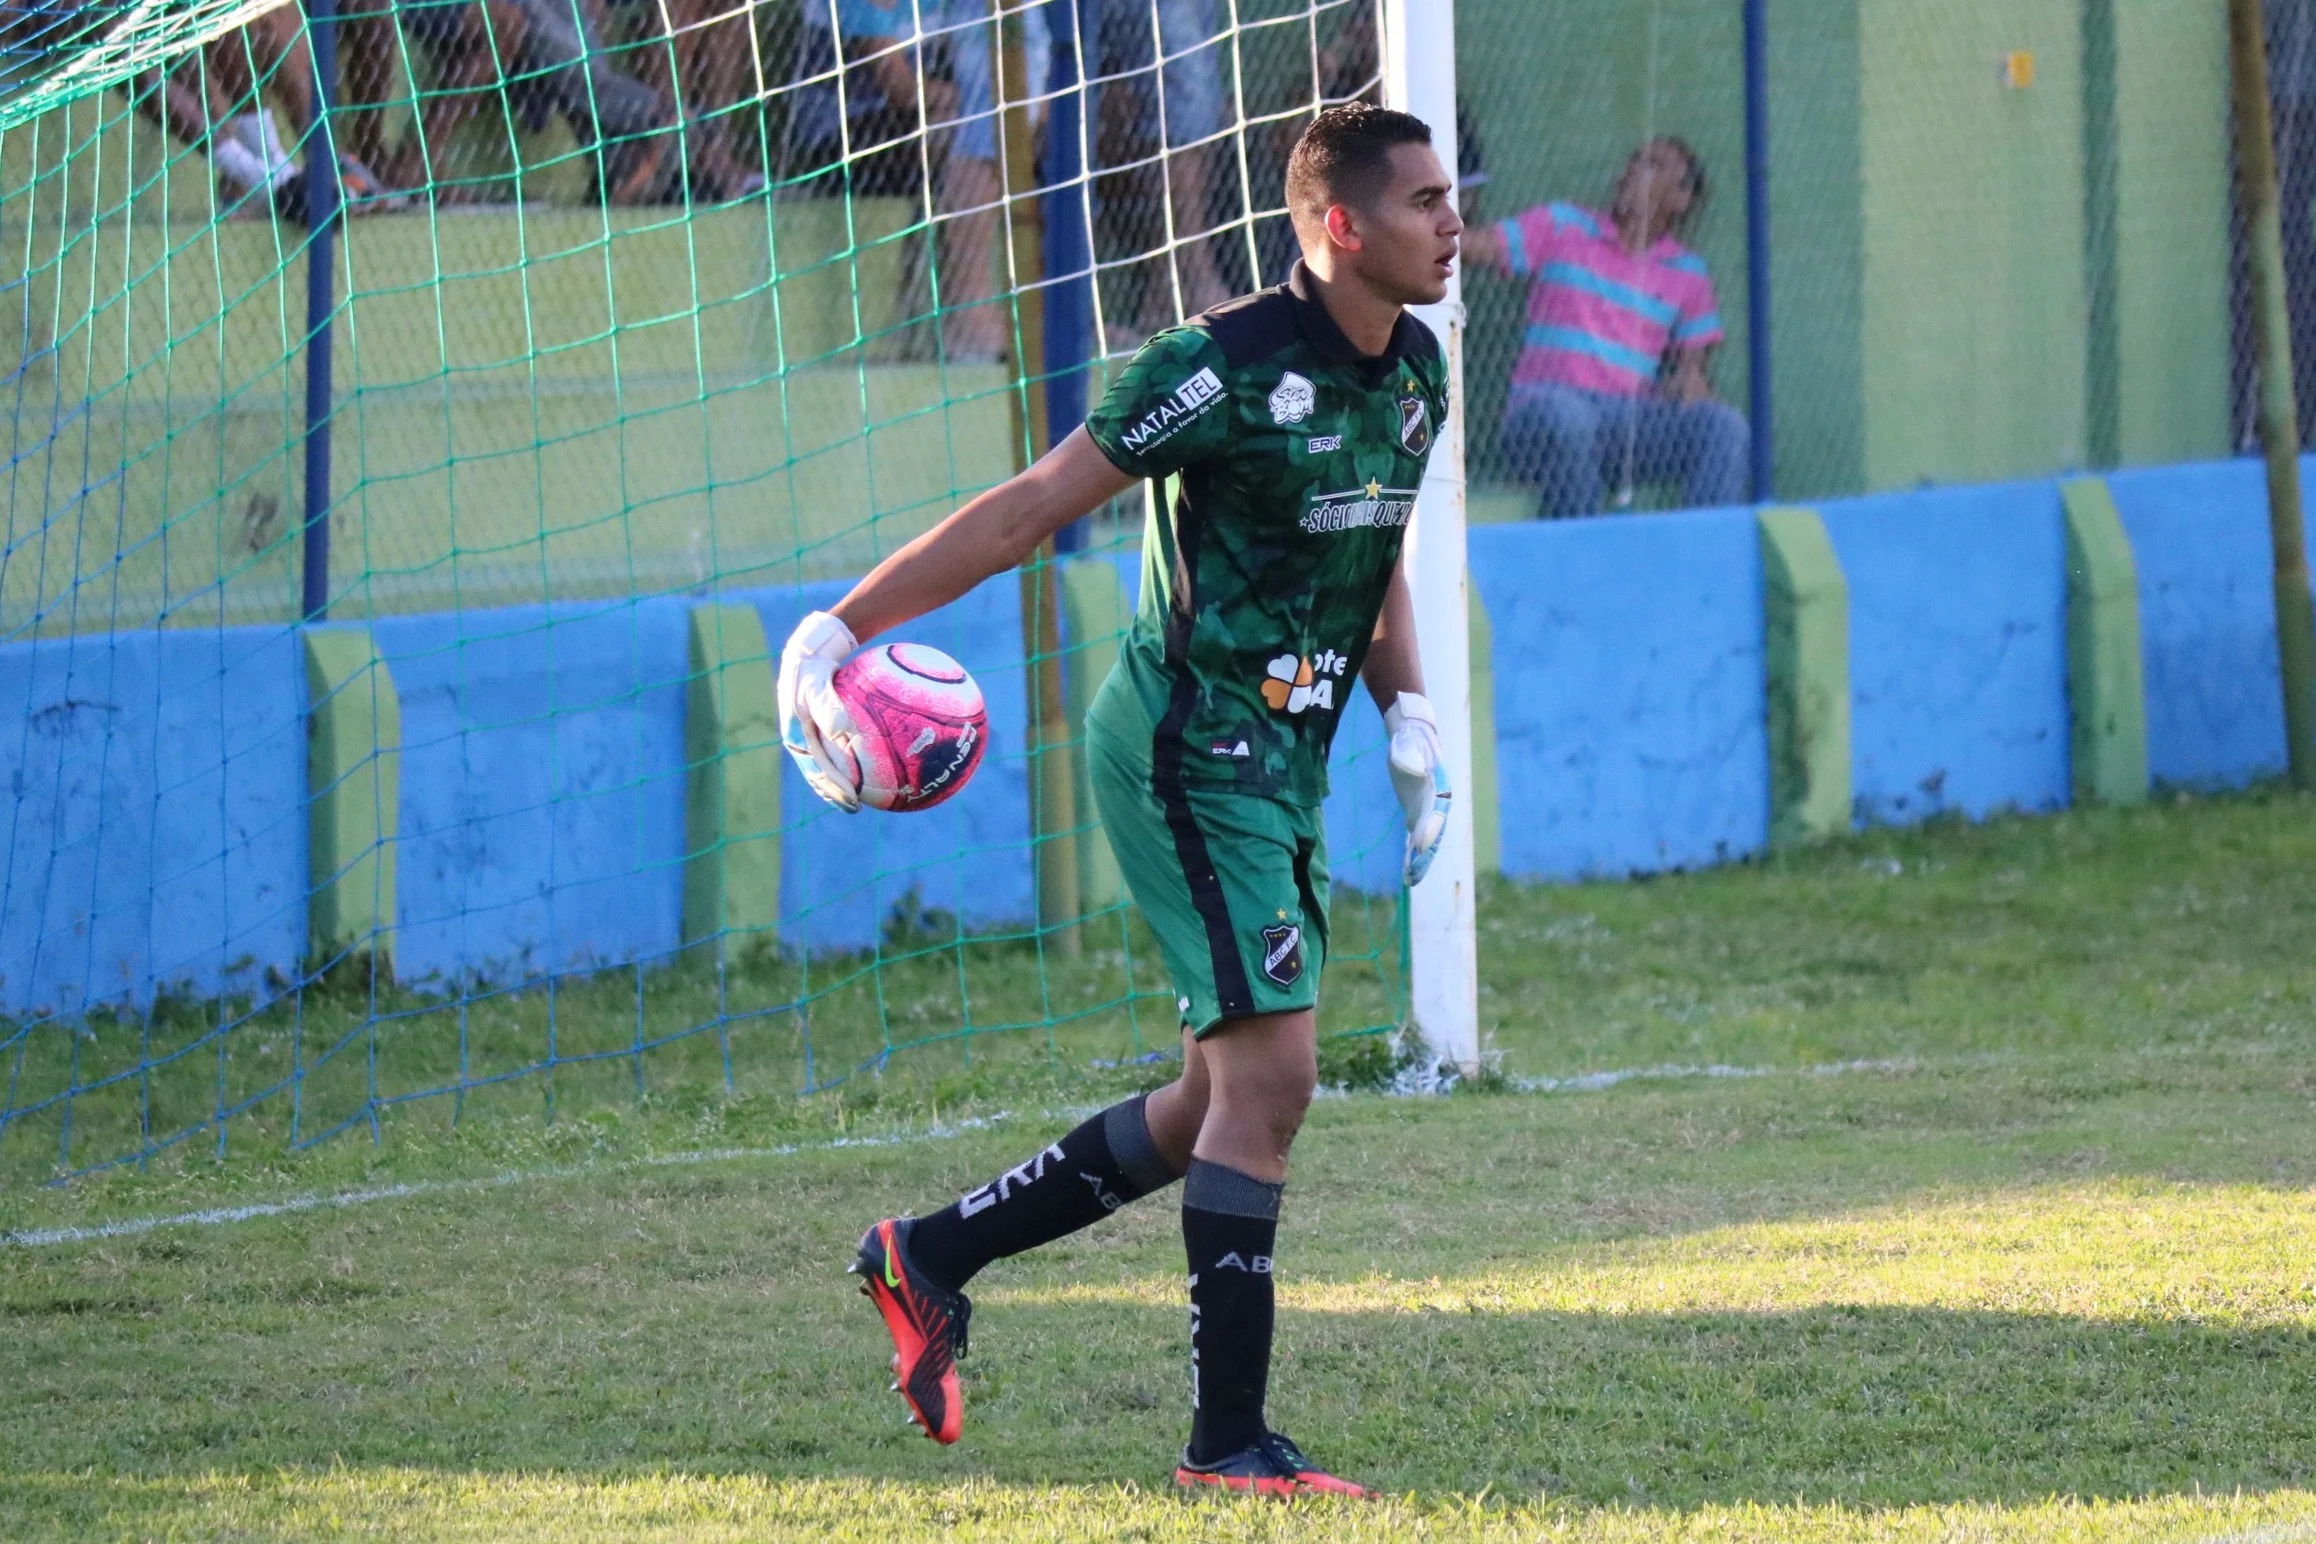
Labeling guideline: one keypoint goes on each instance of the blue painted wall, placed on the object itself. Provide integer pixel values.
(1631, 731)
(542, 818)
(1958, 649)
(2207, 621)
(156, 835)
(841, 874)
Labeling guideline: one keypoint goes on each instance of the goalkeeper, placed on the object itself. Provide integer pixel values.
(1299, 420)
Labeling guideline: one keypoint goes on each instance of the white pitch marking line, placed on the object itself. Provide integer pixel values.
(1593, 1082)
(218, 1216)
(221, 1216)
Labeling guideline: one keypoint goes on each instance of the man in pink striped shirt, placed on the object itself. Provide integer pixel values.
(1610, 385)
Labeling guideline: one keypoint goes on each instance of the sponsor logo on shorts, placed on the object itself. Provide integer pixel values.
(1355, 509)
(1230, 748)
(1414, 425)
(1292, 402)
(1292, 683)
(1164, 421)
(1283, 953)
(1320, 444)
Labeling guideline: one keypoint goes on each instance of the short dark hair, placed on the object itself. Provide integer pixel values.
(1696, 167)
(1344, 157)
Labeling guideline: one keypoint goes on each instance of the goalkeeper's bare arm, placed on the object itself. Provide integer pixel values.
(995, 532)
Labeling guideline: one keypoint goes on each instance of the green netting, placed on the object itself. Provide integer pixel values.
(1996, 235)
(648, 328)
(58, 51)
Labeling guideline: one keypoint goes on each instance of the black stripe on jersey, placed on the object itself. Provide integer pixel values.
(1233, 994)
(1179, 584)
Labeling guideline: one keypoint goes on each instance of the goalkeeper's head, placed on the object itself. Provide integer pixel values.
(1371, 201)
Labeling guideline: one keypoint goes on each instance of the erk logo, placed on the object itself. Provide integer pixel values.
(1002, 1188)
(1292, 683)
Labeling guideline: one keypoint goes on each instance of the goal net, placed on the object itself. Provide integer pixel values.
(429, 418)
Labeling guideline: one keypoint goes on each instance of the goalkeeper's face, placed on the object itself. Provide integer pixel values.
(1406, 235)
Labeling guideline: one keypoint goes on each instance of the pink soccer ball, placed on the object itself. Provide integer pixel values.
(921, 724)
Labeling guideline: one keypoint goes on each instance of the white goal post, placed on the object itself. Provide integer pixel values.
(1419, 76)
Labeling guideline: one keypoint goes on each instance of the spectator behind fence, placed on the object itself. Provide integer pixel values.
(544, 56)
(893, 50)
(216, 99)
(1611, 377)
(1161, 110)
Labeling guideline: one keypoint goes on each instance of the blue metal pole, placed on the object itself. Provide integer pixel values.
(1069, 258)
(1759, 357)
(322, 204)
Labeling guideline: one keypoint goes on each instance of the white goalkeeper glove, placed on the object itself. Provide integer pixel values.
(1419, 777)
(811, 714)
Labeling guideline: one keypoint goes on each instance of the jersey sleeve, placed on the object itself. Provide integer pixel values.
(1700, 323)
(1527, 239)
(1168, 410)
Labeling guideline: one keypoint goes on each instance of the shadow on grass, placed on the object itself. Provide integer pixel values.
(1868, 1407)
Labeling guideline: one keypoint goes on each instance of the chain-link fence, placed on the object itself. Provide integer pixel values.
(1996, 244)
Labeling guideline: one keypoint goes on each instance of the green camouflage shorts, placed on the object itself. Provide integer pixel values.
(1233, 884)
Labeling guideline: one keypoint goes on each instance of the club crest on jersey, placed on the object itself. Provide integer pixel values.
(1293, 399)
(1414, 425)
(1193, 397)
(1283, 953)
(1292, 683)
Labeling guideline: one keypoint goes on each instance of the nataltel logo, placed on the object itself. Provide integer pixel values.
(1162, 422)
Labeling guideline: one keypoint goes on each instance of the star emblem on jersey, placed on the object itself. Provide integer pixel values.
(1283, 953)
(1414, 425)
(1292, 683)
(1293, 399)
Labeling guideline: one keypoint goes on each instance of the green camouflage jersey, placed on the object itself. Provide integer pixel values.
(1263, 574)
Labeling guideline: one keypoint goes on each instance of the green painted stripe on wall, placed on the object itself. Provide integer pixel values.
(732, 792)
(2106, 688)
(1487, 826)
(1806, 617)
(354, 791)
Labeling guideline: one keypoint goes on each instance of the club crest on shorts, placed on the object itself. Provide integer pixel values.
(1414, 425)
(1283, 953)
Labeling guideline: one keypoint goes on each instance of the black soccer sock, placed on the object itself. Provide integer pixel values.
(1229, 1222)
(1103, 1164)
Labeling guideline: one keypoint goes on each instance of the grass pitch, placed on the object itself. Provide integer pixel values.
(1964, 1191)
